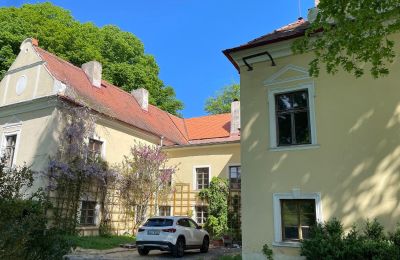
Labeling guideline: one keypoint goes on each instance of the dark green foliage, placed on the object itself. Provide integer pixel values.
(216, 195)
(329, 241)
(122, 54)
(267, 252)
(355, 33)
(23, 232)
(221, 103)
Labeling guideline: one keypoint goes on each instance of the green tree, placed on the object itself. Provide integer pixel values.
(122, 54)
(350, 33)
(221, 102)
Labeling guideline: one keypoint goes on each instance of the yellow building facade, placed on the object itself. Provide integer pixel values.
(39, 85)
(313, 148)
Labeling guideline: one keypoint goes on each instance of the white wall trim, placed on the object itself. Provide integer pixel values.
(295, 194)
(272, 120)
(195, 176)
(6, 90)
(36, 87)
(274, 79)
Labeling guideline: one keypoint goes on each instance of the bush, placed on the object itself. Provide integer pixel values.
(329, 241)
(216, 195)
(23, 232)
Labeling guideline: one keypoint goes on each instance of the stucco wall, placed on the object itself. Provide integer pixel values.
(355, 165)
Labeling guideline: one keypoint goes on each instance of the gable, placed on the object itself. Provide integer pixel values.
(27, 78)
(289, 73)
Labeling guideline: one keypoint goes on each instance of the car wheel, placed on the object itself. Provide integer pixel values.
(205, 245)
(143, 251)
(179, 249)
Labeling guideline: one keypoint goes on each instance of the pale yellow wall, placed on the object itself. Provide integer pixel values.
(118, 139)
(217, 157)
(356, 167)
(39, 82)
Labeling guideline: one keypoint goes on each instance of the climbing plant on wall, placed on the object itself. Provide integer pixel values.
(145, 180)
(73, 176)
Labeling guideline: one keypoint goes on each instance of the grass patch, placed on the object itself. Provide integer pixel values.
(101, 242)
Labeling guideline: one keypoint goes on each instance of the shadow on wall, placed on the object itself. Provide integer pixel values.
(356, 168)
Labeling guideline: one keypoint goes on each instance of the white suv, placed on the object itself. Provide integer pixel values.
(174, 234)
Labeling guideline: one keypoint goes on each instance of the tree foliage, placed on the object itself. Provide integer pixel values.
(121, 53)
(144, 181)
(221, 102)
(350, 34)
(217, 197)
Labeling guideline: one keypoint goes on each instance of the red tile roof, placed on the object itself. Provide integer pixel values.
(286, 32)
(116, 103)
(206, 127)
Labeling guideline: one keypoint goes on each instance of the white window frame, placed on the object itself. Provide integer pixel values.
(294, 195)
(272, 116)
(97, 217)
(9, 130)
(195, 175)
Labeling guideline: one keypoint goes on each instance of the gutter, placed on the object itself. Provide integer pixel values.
(228, 52)
(173, 147)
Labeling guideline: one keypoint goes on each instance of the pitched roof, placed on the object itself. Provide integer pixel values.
(116, 103)
(286, 32)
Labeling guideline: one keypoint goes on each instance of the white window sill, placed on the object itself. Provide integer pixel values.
(294, 147)
(287, 244)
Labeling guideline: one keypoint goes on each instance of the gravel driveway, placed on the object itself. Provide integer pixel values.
(122, 253)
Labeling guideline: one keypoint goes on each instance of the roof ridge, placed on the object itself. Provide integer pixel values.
(187, 139)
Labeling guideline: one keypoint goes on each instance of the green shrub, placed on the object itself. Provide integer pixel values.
(216, 195)
(23, 231)
(329, 241)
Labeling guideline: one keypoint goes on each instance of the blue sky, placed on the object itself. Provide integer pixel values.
(187, 36)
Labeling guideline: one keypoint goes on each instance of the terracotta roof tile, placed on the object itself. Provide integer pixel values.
(116, 103)
(207, 127)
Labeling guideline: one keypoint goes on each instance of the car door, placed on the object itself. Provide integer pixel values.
(197, 233)
(186, 230)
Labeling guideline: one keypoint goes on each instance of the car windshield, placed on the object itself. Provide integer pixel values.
(159, 222)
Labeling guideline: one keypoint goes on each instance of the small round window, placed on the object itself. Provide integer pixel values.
(21, 85)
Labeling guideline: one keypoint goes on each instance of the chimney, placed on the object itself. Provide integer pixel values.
(93, 70)
(142, 97)
(35, 42)
(235, 117)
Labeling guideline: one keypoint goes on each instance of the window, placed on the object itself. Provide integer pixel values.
(201, 214)
(294, 214)
(88, 210)
(183, 222)
(94, 149)
(164, 211)
(292, 118)
(159, 222)
(297, 218)
(234, 177)
(192, 224)
(9, 149)
(202, 177)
